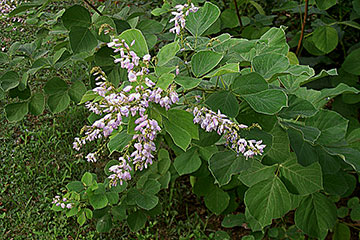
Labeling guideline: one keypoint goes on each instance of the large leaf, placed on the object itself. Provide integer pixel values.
(257, 173)
(270, 64)
(225, 164)
(298, 107)
(184, 120)
(351, 63)
(104, 224)
(310, 134)
(98, 201)
(197, 23)
(249, 83)
(325, 38)
(81, 39)
(55, 85)
(301, 180)
(204, 61)
(16, 111)
(224, 101)
(187, 82)
(315, 215)
(9, 81)
(136, 221)
(118, 142)
(37, 104)
(187, 162)
(269, 101)
(77, 90)
(58, 102)
(167, 52)
(180, 136)
(140, 46)
(267, 200)
(76, 16)
(217, 200)
(325, 4)
(331, 124)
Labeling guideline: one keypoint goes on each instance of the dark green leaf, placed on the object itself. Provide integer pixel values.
(270, 101)
(76, 16)
(224, 101)
(58, 102)
(249, 83)
(187, 162)
(204, 61)
(9, 80)
(81, 39)
(16, 111)
(55, 85)
(217, 200)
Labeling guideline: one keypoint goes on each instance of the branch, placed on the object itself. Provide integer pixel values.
(237, 13)
(303, 27)
(93, 7)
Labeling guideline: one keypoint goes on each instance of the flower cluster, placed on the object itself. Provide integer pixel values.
(61, 202)
(179, 16)
(212, 121)
(131, 101)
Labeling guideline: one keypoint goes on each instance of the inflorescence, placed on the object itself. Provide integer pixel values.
(133, 100)
(179, 20)
(212, 121)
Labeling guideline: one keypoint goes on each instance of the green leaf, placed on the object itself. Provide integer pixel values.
(104, 224)
(197, 23)
(187, 82)
(151, 187)
(249, 83)
(146, 201)
(81, 39)
(113, 197)
(348, 155)
(227, 68)
(165, 80)
(331, 124)
(55, 85)
(187, 162)
(298, 107)
(257, 173)
(98, 201)
(9, 81)
(119, 142)
(167, 52)
(269, 101)
(325, 38)
(351, 63)
(204, 61)
(87, 179)
(315, 215)
(231, 220)
(58, 102)
(88, 213)
(335, 184)
(3, 58)
(103, 57)
(225, 164)
(341, 232)
(16, 111)
(136, 221)
(76, 16)
(149, 26)
(224, 101)
(325, 4)
(270, 64)
(119, 212)
(81, 219)
(355, 213)
(164, 161)
(72, 212)
(310, 134)
(37, 104)
(217, 200)
(140, 46)
(280, 150)
(76, 186)
(184, 120)
(77, 90)
(301, 180)
(180, 136)
(267, 200)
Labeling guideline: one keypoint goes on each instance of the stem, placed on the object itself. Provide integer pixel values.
(303, 27)
(93, 7)
(237, 12)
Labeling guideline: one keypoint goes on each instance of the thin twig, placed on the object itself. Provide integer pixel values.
(237, 13)
(302, 27)
(93, 7)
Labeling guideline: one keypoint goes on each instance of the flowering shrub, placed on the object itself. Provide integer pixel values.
(231, 113)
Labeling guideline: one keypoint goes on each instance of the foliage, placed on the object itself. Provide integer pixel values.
(308, 156)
